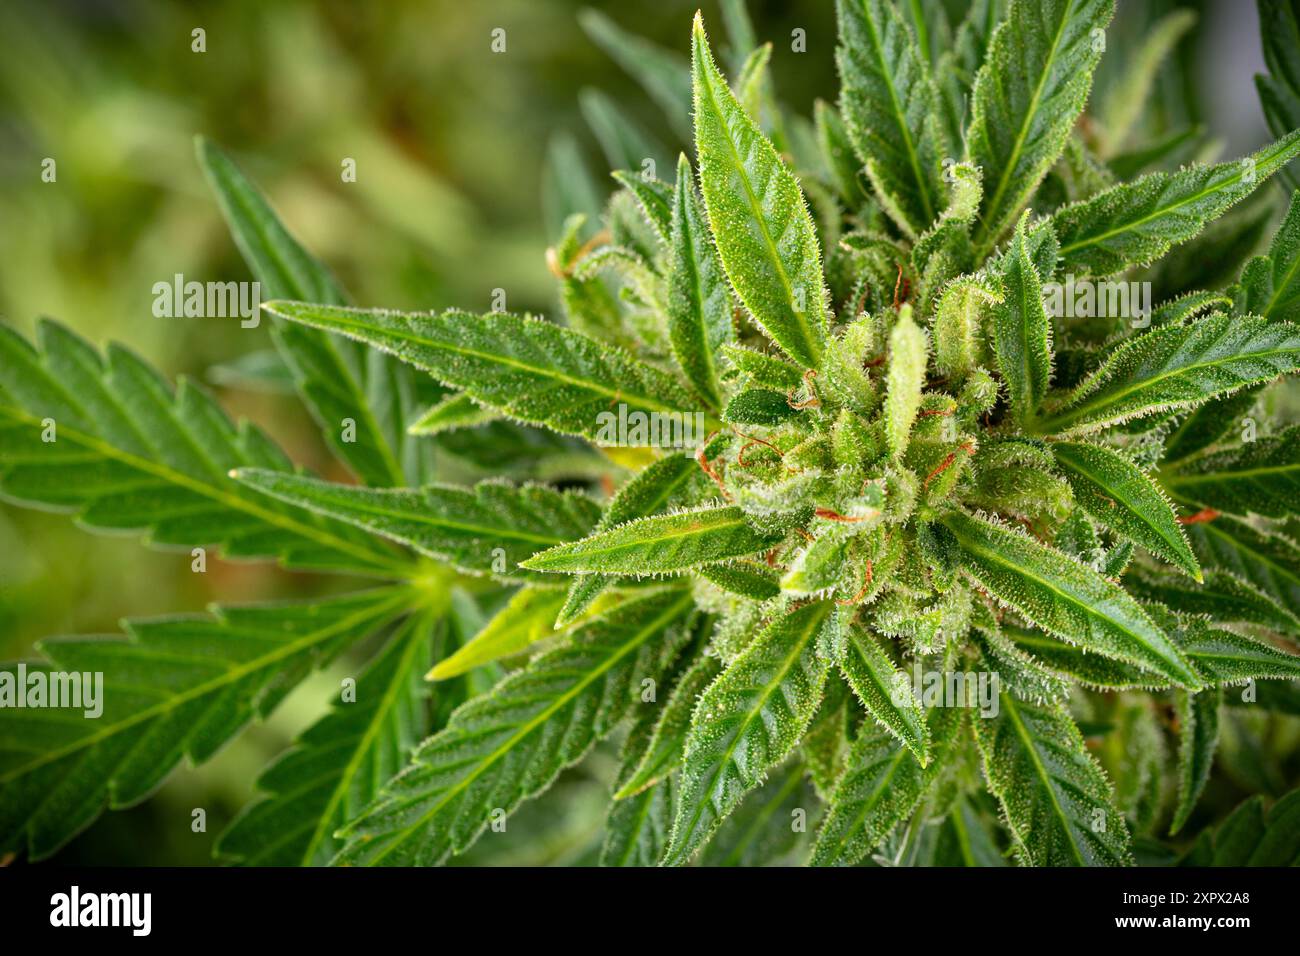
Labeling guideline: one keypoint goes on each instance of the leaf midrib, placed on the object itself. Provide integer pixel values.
(437, 521)
(415, 642)
(1175, 478)
(927, 206)
(1079, 465)
(726, 525)
(1232, 180)
(896, 760)
(359, 401)
(696, 285)
(1009, 168)
(756, 212)
(1113, 398)
(993, 556)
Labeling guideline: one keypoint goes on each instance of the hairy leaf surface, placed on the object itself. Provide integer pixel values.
(748, 720)
(762, 227)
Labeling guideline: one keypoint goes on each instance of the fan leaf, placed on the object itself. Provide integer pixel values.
(1177, 367)
(176, 688)
(1056, 799)
(1028, 94)
(108, 440)
(1136, 223)
(1117, 493)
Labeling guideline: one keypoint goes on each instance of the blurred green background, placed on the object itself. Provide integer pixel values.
(449, 141)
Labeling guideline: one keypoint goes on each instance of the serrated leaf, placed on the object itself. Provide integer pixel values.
(340, 762)
(502, 748)
(1223, 596)
(1177, 367)
(1260, 477)
(885, 692)
(904, 380)
(1022, 332)
(637, 829)
(526, 368)
(881, 786)
(748, 720)
(1208, 424)
(658, 486)
(699, 301)
(1198, 739)
(1136, 223)
(1111, 488)
(889, 107)
(1224, 656)
(1028, 94)
(659, 545)
(525, 620)
(176, 688)
(127, 452)
(337, 379)
(760, 222)
(487, 529)
(1219, 655)
(1056, 800)
(1066, 598)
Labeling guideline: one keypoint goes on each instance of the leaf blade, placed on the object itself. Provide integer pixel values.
(765, 239)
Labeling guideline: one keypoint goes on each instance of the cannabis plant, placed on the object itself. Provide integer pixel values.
(882, 518)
